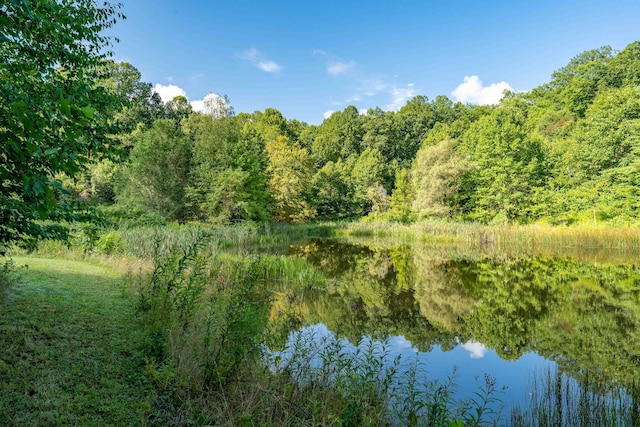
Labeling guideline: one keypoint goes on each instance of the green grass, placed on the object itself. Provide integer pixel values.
(70, 348)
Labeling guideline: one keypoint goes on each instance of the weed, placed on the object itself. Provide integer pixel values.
(7, 273)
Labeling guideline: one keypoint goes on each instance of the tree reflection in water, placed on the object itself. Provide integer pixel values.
(583, 316)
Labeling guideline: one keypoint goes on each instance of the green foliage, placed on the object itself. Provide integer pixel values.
(510, 165)
(436, 177)
(290, 174)
(7, 275)
(333, 192)
(143, 105)
(178, 109)
(104, 180)
(159, 171)
(206, 313)
(109, 243)
(338, 137)
(564, 153)
(575, 86)
(606, 138)
(401, 199)
(367, 173)
(54, 117)
(229, 182)
(270, 124)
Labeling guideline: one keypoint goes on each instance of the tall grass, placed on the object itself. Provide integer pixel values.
(557, 400)
(537, 239)
(499, 238)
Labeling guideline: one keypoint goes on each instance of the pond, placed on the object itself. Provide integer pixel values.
(470, 314)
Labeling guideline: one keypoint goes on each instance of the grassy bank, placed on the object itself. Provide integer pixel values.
(70, 348)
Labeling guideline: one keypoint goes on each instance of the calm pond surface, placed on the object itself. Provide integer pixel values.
(509, 316)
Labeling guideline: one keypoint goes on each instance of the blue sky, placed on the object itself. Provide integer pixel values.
(308, 58)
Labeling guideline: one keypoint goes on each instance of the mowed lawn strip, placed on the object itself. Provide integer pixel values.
(69, 348)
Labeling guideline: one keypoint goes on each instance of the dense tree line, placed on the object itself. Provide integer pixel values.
(77, 126)
(562, 153)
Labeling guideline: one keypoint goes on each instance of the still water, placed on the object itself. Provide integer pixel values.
(471, 314)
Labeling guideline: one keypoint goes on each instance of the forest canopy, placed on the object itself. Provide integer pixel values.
(81, 128)
(563, 153)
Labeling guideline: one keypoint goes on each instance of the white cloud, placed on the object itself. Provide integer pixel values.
(328, 114)
(473, 91)
(198, 105)
(319, 52)
(269, 66)
(400, 96)
(254, 56)
(340, 67)
(168, 92)
(476, 349)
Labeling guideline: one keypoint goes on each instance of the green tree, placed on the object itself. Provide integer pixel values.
(338, 137)
(437, 176)
(575, 86)
(624, 69)
(332, 192)
(103, 181)
(607, 137)
(416, 119)
(597, 165)
(228, 174)
(401, 199)
(54, 117)
(270, 124)
(159, 171)
(143, 105)
(510, 171)
(178, 108)
(290, 173)
(368, 172)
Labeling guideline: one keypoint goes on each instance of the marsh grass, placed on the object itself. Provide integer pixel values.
(555, 399)
(207, 320)
(535, 239)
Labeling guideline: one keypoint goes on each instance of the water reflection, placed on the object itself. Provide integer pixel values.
(316, 352)
(497, 314)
